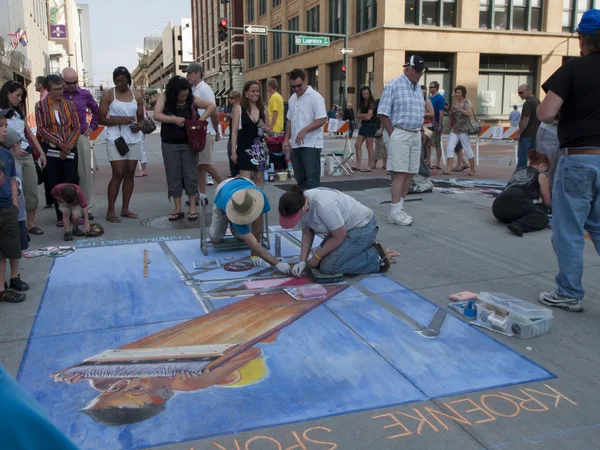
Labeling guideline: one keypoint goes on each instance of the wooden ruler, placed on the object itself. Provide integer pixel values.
(145, 263)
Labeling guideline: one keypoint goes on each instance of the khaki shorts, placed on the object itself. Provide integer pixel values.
(437, 139)
(218, 225)
(70, 211)
(404, 151)
(205, 156)
(134, 153)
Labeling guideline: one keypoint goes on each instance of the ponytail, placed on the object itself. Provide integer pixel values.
(536, 158)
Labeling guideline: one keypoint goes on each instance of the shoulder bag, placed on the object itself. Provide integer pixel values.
(121, 145)
(196, 130)
(149, 126)
(473, 127)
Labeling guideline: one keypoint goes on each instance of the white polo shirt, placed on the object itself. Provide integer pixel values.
(302, 112)
(204, 91)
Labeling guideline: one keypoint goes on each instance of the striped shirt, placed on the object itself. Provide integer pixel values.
(403, 103)
(53, 131)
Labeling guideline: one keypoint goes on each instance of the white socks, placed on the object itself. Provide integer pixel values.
(397, 207)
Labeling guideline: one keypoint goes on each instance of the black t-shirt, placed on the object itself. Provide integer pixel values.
(524, 183)
(365, 110)
(576, 82)
(530, 110)
(172, 133)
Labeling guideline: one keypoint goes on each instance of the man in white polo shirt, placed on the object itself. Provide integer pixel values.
(306, 118)
(401, 111)
(206, 171)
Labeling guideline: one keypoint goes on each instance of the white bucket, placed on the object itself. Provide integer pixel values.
(333, 170)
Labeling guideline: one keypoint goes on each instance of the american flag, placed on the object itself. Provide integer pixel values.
(16, 37)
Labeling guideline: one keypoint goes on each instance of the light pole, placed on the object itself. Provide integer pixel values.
(230, 45)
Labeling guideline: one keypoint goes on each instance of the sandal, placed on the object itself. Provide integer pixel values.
(141, 174)
(113, 219)
(60, 224)
(436, 167)
(446, 173)
(176, 216)
(192, 217)
(366, 170)
(35, 231)
(130, 215)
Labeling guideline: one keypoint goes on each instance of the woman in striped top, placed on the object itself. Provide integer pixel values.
(58, 127)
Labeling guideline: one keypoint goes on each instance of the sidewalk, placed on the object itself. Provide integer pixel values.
(454, 244)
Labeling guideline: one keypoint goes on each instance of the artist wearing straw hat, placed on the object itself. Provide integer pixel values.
(238, 201)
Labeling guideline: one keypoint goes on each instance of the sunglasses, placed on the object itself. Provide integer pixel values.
(296, 86)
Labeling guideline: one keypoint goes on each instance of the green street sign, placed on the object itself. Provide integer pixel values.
(313, 40)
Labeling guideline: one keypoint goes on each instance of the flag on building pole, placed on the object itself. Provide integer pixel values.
(24, 41)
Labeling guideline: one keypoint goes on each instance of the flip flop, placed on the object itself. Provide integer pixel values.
(176, 216)
(446, 173)
(192, 217)
(113, 219)
(469, 174)
(384, 262)
(436, 167)
(366, 170)
(356, 169)
(130, 216)
(35, 231)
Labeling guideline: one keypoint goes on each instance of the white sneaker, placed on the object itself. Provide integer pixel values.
(209, 180)
(400, 218)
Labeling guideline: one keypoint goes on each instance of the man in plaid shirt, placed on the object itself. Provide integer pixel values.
(401, 111)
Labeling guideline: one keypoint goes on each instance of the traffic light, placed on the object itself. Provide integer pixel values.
(344, 73)
(223, 28)
(101, 87)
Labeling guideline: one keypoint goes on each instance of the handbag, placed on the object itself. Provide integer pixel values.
(196, 132)
(121, 145)
(149, 126)
(39, 172)
(473, 127)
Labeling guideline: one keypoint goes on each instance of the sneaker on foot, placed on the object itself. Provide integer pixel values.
(17, 284)
(517, 231)
(400, 218)
(209, 180)
(77, 232)
(68, 236)
(559, 301)
(10, 296)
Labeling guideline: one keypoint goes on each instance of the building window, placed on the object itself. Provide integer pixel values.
(335, 84)
(366, 14)
(364, 76)
(276, 3)
(263, 49)
(277, 44)
(440, 69)
(250, 10)
(262, 7)
(312, 76)
(511, 14)
(440, 13)
(293, 26)
(251, 54)
(499, 79)
(573, 10)
(313, 16)
(337, 14)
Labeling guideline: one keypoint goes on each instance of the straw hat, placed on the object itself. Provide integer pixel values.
(245, 206)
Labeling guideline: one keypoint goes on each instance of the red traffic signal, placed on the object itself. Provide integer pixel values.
(101, 87)
(223, 28)
(343, 72)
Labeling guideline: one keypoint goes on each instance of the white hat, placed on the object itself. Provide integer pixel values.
(245, 206)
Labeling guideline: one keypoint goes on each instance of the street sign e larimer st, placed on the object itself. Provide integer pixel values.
(256, 29)
(321, 41)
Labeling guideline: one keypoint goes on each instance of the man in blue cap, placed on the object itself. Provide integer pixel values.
(573, 92)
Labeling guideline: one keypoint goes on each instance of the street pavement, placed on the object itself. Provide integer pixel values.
(454, 244)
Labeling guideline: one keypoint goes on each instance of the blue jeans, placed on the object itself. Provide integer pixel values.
(307, 167)
(525, 144)
(575, 208)
(354, 256)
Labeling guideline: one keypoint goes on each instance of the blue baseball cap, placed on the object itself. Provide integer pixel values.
(590, 22)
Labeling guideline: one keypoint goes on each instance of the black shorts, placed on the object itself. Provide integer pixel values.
(24, 235)
(367, 130)
(10, 242)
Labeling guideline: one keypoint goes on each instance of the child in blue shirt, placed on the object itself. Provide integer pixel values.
(10, 246)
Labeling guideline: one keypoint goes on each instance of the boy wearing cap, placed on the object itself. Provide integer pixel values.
(573, 91)
(238, 201)
(10, 247)
(73, 205)
(401, 112)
